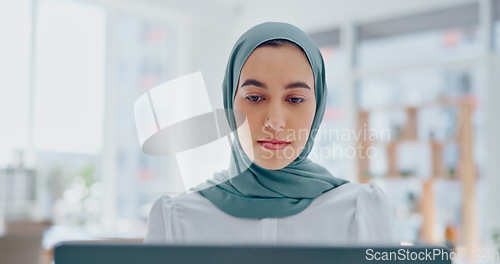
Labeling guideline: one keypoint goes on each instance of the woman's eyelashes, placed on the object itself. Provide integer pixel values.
(292, 100)
(296, 100)
(254, 98)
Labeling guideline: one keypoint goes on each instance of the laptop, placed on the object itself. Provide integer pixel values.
(155, 254)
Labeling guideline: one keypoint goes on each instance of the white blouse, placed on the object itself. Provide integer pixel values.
(350, 214)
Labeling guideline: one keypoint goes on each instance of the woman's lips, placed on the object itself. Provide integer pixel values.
(273, 143)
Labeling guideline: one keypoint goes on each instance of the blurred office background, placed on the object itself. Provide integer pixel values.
(425, 71)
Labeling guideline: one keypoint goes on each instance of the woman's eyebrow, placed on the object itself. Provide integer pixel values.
(263, 86)
(298, 85)
(254, 83)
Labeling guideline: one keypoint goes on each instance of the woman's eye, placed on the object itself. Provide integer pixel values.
(296, 100)
(254, 98)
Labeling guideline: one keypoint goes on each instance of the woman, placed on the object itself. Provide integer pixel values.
(275, 76)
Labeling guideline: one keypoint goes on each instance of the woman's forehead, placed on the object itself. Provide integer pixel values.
(288, 63)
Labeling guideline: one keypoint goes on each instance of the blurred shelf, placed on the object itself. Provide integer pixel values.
(464, 171)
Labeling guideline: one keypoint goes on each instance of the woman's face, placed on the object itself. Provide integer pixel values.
(276, 93)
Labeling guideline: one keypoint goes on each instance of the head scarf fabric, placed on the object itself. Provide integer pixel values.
(258, 192)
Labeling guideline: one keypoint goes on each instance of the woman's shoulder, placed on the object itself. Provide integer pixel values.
(366, 199)
(182, 202)
(371, 211)
(370, 198)
(180, 199)
(355, 191)
(375, 217)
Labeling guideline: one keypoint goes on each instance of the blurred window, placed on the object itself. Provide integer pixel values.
(69, 109)
(429, 37)
(70, 77)
(145, 57)
(15, 25)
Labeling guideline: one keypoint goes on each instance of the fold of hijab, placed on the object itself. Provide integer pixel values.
(258, 192)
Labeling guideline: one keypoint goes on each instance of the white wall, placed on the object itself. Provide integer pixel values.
(215, 25)
(210, 48)
(209, 41)
(316, 15)
(206, 31)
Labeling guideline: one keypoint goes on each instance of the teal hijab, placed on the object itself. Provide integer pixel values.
(258, 192)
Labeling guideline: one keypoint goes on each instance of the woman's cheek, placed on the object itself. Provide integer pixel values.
(245, 138)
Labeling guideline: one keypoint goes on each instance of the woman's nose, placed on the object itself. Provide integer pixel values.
(275, 118)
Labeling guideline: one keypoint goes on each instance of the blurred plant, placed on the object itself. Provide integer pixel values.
(496, 239)
(75, 194)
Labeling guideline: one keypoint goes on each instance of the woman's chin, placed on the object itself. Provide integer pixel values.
(270, 159)
(272, 164)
